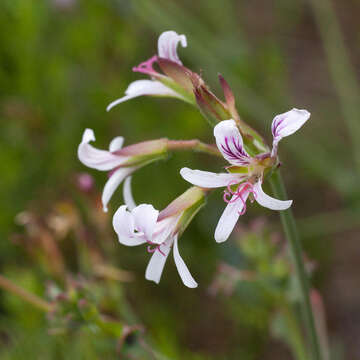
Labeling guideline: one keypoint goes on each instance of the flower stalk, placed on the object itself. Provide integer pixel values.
(32, 299)
(195, 145)
(292, 235)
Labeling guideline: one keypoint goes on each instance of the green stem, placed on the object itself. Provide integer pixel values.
(24, 294)
(292, 236)
(295, 339)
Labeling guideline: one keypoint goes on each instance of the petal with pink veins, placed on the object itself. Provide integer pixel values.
(286, 124)
(230, 143)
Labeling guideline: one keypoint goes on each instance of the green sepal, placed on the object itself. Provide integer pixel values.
(237, 169)
(185, 95)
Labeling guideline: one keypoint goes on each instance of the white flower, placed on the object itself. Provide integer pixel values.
(121, 162)
(144, 224)
(167, 49)
(246, 177)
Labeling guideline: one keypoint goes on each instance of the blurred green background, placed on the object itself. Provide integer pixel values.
(63, 61)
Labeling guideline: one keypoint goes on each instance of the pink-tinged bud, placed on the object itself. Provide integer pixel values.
(213, 109)
(179, 73)
(229, 98)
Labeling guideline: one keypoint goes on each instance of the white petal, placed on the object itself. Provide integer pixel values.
(116, 144)
(123, 223)
(167, 45)
(164, 228)
(230, 143)
(127, 194)
(229, 218)
(95, 158)
(145, 219)
(144, 87)
(156, 264)
(208, 179)
(268, 201)
(286, 124)
(183, 270)
(113, 183)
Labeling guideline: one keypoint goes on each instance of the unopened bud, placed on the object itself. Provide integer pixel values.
(212, 108)
(179, 73)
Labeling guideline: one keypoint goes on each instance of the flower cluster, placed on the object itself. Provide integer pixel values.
(250, 160)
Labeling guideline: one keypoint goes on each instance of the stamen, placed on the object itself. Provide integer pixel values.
(146, 67)
(238, 194)
(157, 247)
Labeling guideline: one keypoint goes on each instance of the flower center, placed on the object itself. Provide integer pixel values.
(231, 196)
(155, 248)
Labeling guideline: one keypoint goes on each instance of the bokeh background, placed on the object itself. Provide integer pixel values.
(63, 61)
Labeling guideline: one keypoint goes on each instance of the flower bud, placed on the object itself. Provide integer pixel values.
(179, 73)
(213, 109)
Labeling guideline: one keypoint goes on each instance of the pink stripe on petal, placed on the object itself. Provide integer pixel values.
(230, 143)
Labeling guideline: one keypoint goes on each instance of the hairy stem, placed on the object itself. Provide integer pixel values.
(195, 145)
(292, 236)
(24, 294)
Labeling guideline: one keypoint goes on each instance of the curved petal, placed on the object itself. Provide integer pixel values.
(95, 158)
(145, 217)
(127, 194)
(208, 179)
(144, 87)
(286, 124)
(230, 143)
(167, 45)
(116, 144)
(157, 262)
(113, 183)
(229, 218)
(124, 226)
(268, 201)
(183, 270)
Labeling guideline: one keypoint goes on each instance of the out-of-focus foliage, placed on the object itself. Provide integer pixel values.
(61, 63)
